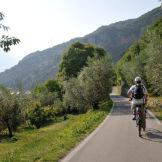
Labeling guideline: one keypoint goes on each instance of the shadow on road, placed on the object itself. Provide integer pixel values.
(153, 135)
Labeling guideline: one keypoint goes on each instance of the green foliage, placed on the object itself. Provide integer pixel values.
(144, 58)
(54, 141)
(74, 98)
(154, 104)
(47, 99)
(39, 89)
(75, 58)
(58, 108)
(92, 85)
(39, 115)
(10, 114)
(154, 74)
(48, 93)
(54, 86)
(97, 80)
(6, 41)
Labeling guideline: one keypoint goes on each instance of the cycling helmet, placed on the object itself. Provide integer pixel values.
(138, 80)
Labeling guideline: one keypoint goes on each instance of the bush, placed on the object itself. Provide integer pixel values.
(39, 115)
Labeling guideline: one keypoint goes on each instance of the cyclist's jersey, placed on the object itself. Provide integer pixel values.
(137, 101)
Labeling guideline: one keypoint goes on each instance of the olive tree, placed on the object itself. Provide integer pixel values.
(97, 80)
(10, 114)
(93, 84)
(74, 97)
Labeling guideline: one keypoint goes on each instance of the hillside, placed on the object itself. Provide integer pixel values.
(42, 65)
(144, 58)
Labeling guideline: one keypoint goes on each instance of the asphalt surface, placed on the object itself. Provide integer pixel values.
(117, 139)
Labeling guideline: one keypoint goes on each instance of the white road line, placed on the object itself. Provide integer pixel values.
(156, 119)
(85, 141)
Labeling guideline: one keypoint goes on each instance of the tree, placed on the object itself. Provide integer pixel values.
(75, 58)
(74, 97)
(97, 79)
(53, 86)
(6, 41)
(92, 85)
(10, 114)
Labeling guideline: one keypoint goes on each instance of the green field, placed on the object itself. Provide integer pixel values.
(52, 142)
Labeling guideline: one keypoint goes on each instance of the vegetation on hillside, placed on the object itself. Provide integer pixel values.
(144, 58)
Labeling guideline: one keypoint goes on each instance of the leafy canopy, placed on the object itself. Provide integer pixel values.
(6, 41)
(75, 58)
(144, 58)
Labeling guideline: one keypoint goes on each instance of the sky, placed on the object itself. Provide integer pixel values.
(41, 24)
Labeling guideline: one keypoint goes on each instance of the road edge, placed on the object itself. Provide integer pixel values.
(155, 118)
(86, 140)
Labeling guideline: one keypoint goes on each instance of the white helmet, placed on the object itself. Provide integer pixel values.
(138, 80)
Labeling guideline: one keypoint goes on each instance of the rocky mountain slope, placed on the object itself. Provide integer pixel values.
(39, 66)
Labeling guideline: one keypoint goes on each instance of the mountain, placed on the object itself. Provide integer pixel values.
(115, 38)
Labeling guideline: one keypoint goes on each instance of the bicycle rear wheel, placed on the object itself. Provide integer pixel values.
(139, 120)
(144, 122)
(139, 127)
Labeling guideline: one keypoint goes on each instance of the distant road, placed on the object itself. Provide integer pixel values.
(117, 140)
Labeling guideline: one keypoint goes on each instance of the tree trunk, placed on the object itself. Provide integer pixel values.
(9, 129)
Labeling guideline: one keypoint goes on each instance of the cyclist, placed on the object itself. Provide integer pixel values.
(138, 95)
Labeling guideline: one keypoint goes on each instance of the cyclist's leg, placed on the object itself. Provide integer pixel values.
(133, 109)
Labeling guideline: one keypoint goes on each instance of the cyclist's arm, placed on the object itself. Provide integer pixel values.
(129, 93)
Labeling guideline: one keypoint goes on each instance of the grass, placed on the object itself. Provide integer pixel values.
(155, 105)
(51, 142)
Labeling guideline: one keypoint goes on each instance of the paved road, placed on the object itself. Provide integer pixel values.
(117, 140)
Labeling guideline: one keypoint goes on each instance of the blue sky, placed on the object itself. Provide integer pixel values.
(41, 24)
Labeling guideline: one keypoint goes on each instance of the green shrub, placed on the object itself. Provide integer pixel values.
(39, 115)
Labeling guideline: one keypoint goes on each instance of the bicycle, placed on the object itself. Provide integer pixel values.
(140, 118)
